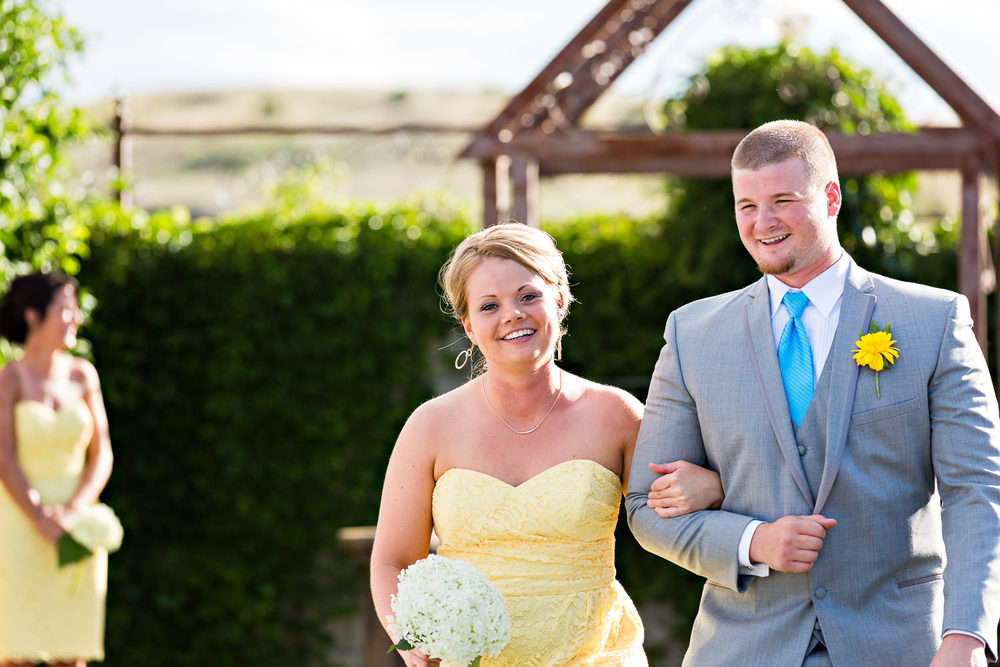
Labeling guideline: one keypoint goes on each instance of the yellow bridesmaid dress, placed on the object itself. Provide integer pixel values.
(548, 545)
(48, 613)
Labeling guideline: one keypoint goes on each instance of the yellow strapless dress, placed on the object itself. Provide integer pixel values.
(48, 613)
(547, 545)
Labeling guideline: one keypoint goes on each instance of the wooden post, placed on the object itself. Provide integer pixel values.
(490, 213)
(524, 186)
(358, 541)
(970, 252)
(121, 125)
(496, 190)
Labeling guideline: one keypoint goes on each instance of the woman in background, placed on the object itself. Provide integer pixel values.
(520, 470)
(55, 458)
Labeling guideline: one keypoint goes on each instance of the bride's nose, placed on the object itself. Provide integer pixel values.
(513, 312)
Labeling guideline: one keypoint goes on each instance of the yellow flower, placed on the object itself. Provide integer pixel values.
(876, 349)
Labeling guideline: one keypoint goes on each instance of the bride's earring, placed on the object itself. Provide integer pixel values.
(463, 357)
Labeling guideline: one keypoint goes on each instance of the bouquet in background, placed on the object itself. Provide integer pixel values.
(448, 610)
(96, 527)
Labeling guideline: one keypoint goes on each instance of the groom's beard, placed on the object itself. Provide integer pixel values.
(777, 268)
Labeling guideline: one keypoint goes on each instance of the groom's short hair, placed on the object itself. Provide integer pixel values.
(781, 140)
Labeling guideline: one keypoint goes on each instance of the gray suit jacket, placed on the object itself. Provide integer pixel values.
(908, 476)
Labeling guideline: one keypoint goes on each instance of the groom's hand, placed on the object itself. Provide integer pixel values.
(790, 544)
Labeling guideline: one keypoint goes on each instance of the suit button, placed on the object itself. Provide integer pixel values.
(802, 450)
(821, 592)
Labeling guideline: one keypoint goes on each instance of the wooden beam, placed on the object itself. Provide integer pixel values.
(568, 55)
(708, 153)
(613, 24)
(524, 189)
(655, 18)
(491, 213)
(970, 252)
(234, 130)
(927, 64)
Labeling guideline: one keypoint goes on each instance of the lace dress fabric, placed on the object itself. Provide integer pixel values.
(548, 546)
(48, 613)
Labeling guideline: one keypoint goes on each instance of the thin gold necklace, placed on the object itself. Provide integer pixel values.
(482, 385)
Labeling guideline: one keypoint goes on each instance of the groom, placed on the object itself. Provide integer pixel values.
(845, 488)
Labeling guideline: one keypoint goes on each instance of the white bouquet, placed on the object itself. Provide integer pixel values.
(448, 610)
(96, 527)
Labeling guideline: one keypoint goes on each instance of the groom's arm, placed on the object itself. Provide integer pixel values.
(965, 446)
(706, 542)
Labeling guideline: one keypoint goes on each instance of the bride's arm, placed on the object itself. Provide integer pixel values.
(684, 487)
(403, 532)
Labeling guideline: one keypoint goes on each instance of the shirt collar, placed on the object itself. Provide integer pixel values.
(823, 291)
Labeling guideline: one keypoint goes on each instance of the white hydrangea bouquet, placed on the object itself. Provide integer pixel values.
(448, 610)
(96, 527)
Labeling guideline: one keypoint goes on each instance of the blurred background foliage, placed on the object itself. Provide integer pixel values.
(258, 366)
(40, 212)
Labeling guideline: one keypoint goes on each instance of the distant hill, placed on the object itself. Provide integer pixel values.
(215, 174)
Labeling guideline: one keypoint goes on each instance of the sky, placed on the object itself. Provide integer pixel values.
(151, 46)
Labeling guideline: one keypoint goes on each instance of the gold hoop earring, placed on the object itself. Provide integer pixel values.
(463, 357)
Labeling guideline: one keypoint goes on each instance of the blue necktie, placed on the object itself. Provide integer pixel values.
(795, 357)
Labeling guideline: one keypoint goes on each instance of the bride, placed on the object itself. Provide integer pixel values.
(520, 470)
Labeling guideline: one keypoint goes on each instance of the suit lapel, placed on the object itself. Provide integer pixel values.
(764, 359)
(857, 305)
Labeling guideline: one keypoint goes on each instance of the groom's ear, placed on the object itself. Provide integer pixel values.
(833, 199)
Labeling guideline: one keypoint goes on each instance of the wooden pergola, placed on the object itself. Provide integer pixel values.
(538, 134)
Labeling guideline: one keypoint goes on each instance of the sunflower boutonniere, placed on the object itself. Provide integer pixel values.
(875, 349)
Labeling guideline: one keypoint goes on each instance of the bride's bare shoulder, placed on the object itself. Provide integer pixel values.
(607, 399)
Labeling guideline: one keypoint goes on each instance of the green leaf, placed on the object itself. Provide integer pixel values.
(401, 645)
(872, 327)
(475, 663)
(70, 551)
(887, 328)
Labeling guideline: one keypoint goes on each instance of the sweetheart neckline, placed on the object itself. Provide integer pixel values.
(600, 467)
(61, 407)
